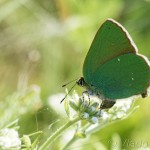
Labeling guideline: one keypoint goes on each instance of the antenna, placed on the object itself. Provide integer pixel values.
(68, 92)
(69, 82)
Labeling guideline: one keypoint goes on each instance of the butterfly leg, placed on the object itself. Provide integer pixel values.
(144, 94)
(107, 104)
(86, 92)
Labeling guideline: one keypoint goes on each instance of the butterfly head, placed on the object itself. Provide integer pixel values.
(81, 82)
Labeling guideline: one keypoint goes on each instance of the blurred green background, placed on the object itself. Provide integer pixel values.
(43, 44)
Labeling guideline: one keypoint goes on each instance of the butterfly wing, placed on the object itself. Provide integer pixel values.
(110, 41)
(122, 77)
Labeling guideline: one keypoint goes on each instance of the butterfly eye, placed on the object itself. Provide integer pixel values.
(81, 82)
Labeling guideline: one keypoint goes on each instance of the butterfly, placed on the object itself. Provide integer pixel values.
(113, 69)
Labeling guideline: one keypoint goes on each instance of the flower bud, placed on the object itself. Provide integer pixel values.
(73, 105)
(94, 120)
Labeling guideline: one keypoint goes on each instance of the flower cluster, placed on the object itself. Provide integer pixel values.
(118, 111)
(85, 108)
(89, 109)
(86, 114)
(9, 138)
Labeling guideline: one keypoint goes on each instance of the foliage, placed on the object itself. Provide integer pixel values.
(43, 45)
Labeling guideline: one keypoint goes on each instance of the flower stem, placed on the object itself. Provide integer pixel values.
(75, 138)
(58, 132)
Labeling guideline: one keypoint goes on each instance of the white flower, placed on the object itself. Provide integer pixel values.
(9, 138)
(85, 115)
(124, 104)
(94, 120)
(104, 115)
(118, 111)
(54, 102)
(120, 114)
(93, 109)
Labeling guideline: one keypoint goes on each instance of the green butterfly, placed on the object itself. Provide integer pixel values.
(113, 69)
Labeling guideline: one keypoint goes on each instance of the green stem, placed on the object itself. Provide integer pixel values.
(57, 133)
(75, 138)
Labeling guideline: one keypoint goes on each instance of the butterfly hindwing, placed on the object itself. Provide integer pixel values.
(122, 77)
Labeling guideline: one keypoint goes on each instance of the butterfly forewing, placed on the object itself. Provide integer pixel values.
(111, 40)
